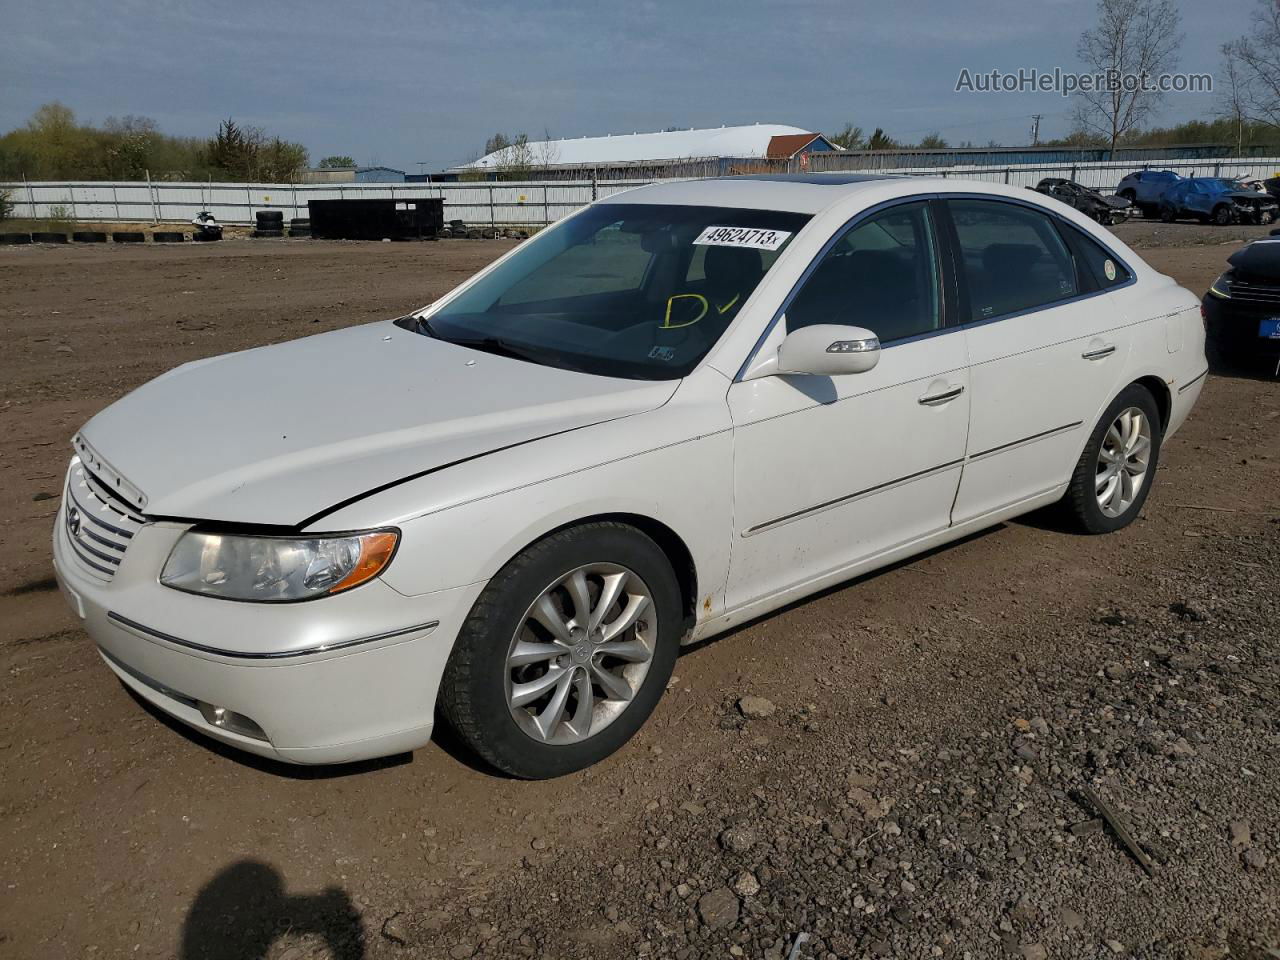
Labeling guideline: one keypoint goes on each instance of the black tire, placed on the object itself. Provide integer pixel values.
(444, 233)
(1167, 215)
(268, 234)
(299, 234)
(1222, 215)
(199, 236)
(89, 236)
(473, 694)
(48, 237)
(270, 216)
(128, 236)
(474, 233)
(168, 236)
(1081, 499)
(299, 222)
(13, 239)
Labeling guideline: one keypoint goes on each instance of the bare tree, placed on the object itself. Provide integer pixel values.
(515, 160)
(1134, 39)
(1257, 57)
(546, 153)
(1233, 95)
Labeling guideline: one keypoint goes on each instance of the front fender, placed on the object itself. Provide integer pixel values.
(672, 465)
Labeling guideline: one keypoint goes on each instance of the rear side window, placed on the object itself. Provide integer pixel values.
(1095, 259)
(1012, 258)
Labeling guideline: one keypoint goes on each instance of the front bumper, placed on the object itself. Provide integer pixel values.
(1234, 326)
(278, 680)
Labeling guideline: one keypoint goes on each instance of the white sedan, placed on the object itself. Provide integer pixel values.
(678, 409)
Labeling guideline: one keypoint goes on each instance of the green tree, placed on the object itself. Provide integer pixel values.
(849, 138)
(337, 160)
(880, 140)
(499, 141)
(933, 141)
(245, 153)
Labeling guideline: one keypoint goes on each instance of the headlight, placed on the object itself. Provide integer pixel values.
(275, 569)
(1222, 286)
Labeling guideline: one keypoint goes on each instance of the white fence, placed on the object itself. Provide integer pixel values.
(528, 204)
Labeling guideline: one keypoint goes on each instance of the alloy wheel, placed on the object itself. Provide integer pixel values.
(1123, 461)
(581, 653)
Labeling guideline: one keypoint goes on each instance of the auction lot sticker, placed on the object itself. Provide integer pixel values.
(751, 237)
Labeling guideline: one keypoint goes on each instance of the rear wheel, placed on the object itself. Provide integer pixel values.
(566, 652)
(1113, 476)
(1166, 214)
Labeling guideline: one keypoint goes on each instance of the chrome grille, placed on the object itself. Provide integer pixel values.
(1255, 292)
(99, 523)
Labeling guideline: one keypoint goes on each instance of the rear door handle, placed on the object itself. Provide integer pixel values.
(940, 398)
(1099, 353)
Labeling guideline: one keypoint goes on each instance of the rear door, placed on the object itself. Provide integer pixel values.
(1045, 352)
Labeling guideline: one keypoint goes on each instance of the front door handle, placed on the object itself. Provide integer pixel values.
(1099, 353)
(937, 399)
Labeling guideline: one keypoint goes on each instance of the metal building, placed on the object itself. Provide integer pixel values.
(651, 154)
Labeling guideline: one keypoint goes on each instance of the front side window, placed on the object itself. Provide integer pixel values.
(641, 291)
(882, 274)
(1012, 258)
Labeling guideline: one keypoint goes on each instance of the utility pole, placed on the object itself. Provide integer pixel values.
(1035, 129)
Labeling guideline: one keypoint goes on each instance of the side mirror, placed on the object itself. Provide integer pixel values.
(828, 350)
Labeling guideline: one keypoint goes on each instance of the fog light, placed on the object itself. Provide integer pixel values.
(231, 721)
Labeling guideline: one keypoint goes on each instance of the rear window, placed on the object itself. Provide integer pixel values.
(1096, 261)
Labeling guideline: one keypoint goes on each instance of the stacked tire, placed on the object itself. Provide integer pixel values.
(13, 239)
(48, 238)
(300, 227)
(89, 236)
(270, 224)
(168, 236)
(128, 236)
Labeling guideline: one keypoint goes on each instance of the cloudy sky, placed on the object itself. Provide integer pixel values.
(404, 82)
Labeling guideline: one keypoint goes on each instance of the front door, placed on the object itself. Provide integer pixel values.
(830, 471)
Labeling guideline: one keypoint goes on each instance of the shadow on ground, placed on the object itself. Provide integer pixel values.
(243, 910)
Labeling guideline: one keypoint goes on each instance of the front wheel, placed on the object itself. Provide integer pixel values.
(566, 652)
(1222, 216)
(1114, 474)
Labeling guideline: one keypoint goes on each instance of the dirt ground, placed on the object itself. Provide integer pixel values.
(913, 795)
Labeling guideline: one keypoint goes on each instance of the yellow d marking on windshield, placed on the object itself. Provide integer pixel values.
(666, 321)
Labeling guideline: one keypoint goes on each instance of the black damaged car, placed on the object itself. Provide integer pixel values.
(1242, 307)
(1106, 210)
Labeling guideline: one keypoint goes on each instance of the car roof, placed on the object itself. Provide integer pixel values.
(800, 193)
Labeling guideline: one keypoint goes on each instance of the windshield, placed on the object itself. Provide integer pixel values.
(641, 291)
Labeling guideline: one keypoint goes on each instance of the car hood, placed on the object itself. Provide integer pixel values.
(1248, 196)
(279, 434)
(1259, 260)
(1116, 203)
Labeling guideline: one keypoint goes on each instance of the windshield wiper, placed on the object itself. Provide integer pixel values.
(417, 325)
(494, 345)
